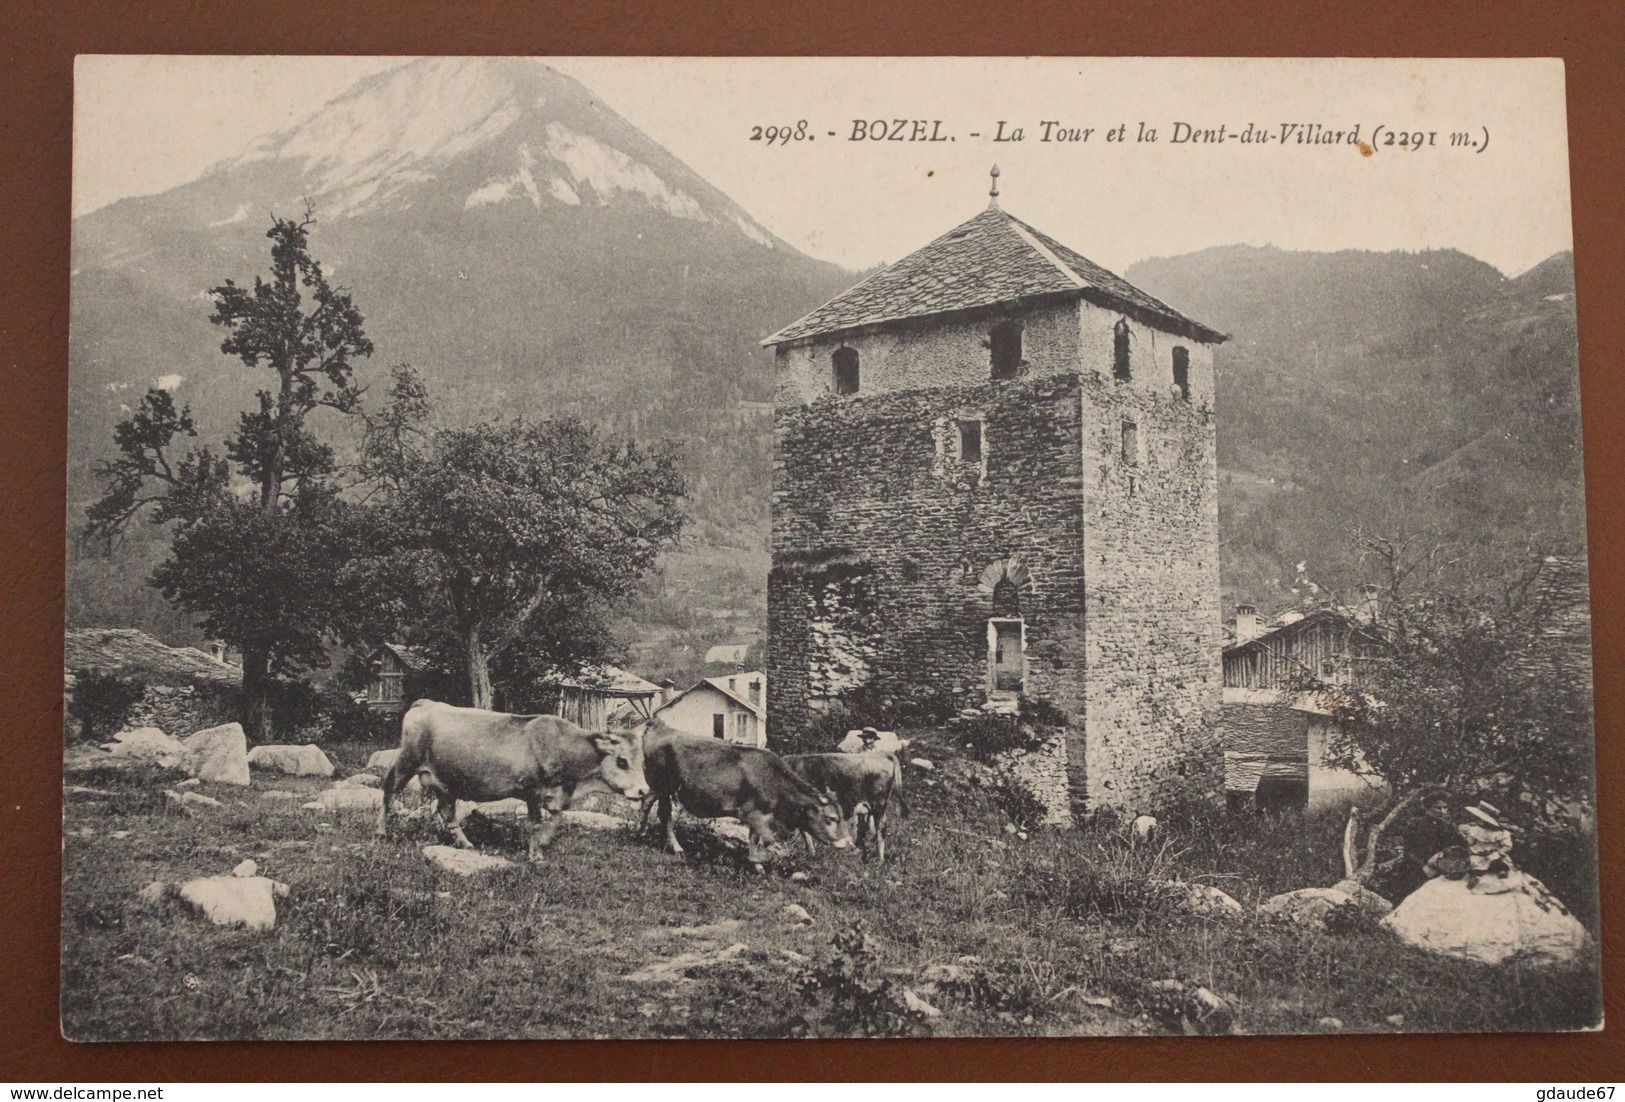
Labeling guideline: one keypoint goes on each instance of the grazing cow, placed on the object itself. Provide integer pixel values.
(472, 754)
(863, 785)
(712, 778)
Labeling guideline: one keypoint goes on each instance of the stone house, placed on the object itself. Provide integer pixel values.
(732, 708)
(184, 689)
(995, 479)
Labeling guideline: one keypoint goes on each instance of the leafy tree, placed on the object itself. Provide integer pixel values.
(260, 570)
(1474, 693)
(515, 535)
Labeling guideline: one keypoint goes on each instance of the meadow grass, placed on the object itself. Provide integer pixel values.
(1061, 933)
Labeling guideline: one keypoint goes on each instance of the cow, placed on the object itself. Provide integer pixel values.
(713, 778)
(472, 754)
(863, 784)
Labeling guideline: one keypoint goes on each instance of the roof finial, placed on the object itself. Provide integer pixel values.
(993, 192)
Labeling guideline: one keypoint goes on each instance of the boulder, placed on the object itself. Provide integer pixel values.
(1364, 898)
(1200, 899)
(381, 762)
(343, 798)
(362, 780)
(1143, 828)
(594, 820)
(923, 763)
(492, 808)
(465, 862)
(184, 802)
(219, 755)
(234, 900)
(148, 744)
(1522, 920)
(1307, 907)
(296, 761)
(796, 913)
(917, 1005)
(155, 893)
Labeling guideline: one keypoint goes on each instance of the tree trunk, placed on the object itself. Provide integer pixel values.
(479, 673)
(256, 693)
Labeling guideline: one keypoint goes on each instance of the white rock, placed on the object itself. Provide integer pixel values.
(465, 862)
(148, 744)
(1330, 1023)
(155, 892)
(1364, 897)
(1526, 922)
(234, 900)
(1143, 828)
(492, 808)
(297, 761)
(919, 1005)
(799, 877)
(347, 799)
(186, 801)
(219, 755)
(79, 792)
(1306, 907)
(677, 968)
(246, 868)
(189, 782)
(922, 763)
(1202, 899)
(795, 912)
(361, 780)
(594, 820)
(382, 761)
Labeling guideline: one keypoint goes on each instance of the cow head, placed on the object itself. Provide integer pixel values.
(620, 762)
(821, 818)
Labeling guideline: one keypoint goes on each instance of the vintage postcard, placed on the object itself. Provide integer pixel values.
(807, 547)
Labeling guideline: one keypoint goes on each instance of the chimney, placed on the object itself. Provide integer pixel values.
(1366, 611)
(1246, 623)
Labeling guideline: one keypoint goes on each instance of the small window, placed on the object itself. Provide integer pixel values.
(719, 725)
(970, 441)
(846, 370)
(1120, 367)
(1182, 370)
(1131, 443)
(733, 685)
(1005, 343)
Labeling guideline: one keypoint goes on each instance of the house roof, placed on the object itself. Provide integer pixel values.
(1293, 619)
(994, 258)
(718, 685)
(610, 681)
(415, 659)
(127, 652)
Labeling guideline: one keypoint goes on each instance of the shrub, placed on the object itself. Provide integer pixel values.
(845, 999)
(1020, 803)
(356, 723)
(102, 701)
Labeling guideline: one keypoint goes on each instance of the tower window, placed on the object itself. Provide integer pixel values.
(845, 362)
(970, 441)
(1120, 368)
(1182, 370)
(1131, 443)
(1005, 343)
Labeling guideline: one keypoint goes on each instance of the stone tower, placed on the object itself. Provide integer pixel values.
(995, 482)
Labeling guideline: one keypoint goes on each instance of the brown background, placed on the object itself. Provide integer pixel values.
(37, 44)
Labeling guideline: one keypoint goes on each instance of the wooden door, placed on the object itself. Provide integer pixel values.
(1007, 657)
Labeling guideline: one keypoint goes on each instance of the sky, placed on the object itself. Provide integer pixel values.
(146, 124)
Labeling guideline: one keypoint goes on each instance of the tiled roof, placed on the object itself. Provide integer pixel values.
(993, 258)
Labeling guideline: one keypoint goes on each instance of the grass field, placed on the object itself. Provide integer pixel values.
(1060, 933)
